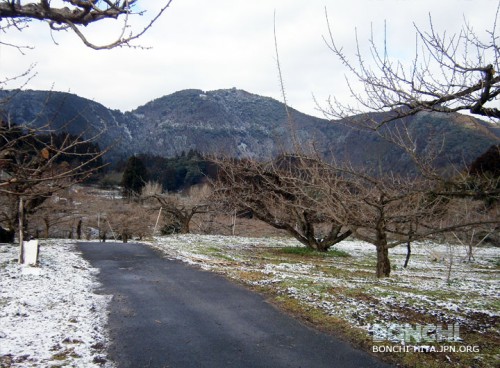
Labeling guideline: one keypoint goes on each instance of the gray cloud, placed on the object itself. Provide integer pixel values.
(230, 43)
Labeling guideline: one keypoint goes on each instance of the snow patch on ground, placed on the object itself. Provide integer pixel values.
(50, 315)
(440, 284)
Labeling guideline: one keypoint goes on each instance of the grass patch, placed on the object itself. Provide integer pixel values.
(332, 271)
(488, 343)
(250, 276)
(304, 251)
(216, 252)
(226, 258)
(339, 293)
(65, 354)
(334, 252)
(442, 295)
(213, 250)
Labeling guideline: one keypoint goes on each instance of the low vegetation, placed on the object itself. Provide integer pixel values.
(338, 292)
(304, 251)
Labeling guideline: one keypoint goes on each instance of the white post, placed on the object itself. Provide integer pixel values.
(157, 220)
(21, 230)
(110, 228)
(30, 252)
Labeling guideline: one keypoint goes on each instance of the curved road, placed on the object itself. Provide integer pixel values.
(167, 314)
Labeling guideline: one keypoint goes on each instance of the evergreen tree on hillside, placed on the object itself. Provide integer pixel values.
(488, 163)
(179, 172)
(485, 176)
(134, 177)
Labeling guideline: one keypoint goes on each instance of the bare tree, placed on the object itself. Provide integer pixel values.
(129, 219)
(449, 73)
(385, 211)
(178, 209)
(56, 211)
(33, 169)
(283, 195)
(34, 165)
(8, 216)
(301, 194)
(476, 211)
(74, 15)
(376, 205)
(388, 210)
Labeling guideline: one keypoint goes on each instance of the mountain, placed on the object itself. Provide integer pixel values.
(58, 110)
(241, 124)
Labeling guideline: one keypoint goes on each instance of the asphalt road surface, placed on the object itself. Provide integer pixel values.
(167, 314)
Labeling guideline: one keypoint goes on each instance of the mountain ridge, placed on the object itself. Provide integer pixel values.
(240, 124)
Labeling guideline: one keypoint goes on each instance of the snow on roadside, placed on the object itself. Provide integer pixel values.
(50, 315)
(439, 284)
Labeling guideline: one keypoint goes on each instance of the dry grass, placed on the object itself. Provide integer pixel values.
(342, 296)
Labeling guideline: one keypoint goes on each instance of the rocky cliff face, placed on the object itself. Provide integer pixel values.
(232, 122)
(240, 124)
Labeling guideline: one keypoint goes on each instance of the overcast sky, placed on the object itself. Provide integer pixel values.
(218, 44)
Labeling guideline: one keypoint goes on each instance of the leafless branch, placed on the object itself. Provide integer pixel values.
(75, 14)
(449, 73)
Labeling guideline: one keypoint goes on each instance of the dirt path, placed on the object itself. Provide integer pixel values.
(167, 314)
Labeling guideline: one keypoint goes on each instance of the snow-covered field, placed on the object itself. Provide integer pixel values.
(460, 291)
(440, 285)
(50, 315)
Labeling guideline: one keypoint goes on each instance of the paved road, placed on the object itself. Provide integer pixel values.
(167, 314)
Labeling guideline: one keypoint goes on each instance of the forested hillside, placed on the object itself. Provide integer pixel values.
(240, 124)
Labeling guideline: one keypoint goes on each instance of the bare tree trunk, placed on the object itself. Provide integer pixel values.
(185, 221)
(450, 265)
(383, 262)
(185, 225)
(233, 222)
(47, 227)
(79, 230)
(21, 230)
(334, 236)
(408, 252)
(307, 234)
(408, 245)
(318, 245)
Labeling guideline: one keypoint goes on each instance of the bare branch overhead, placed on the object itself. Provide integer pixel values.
(449, 73)
(75, 14)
